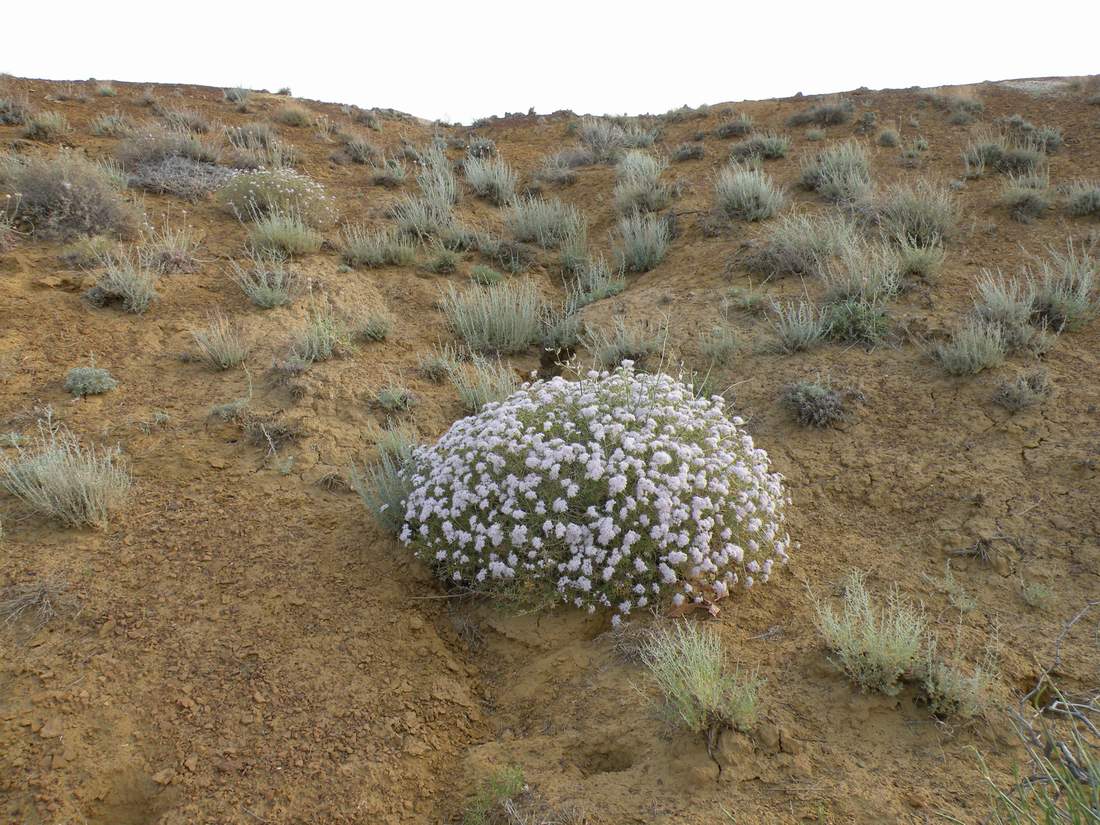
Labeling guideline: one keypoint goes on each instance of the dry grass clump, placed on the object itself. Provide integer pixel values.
(293, 114)
(857, 320)
(482, 381)
(594, 281)
(59, 478)
(46, 127)
(888, 138)
(421, 217)
(826, 113)
(688, 151)
(285, 232)
(1000, 153)
(875, 645)
(1027, 390)
(604, 139)
(860, 271)
(738, 126)
(128, 278)
(798, 326)
(268, 281)
(388, 173)
(644, 241)
(815, 403)
(14, 111)
(1027, 196)
(251, 135)
(1064, 291)
(701, 693)
(34, 603)
(798, 244)
(185, 120)
(761, 146)
(384, 485)
(114, 124)
(747, 193)
(92, 380)
(221, 344)
(841, 173)
(975, 346)
(362, 247)
(64, 196)
(546, 222)
(490, 178)
(1083, 198)
(504, 318)
(637, 342)
(1047, 138)
(638, 184)
(923, 215)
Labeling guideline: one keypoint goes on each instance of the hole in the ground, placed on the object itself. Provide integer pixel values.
(604, 760)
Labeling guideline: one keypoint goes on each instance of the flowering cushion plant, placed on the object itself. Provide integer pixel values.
(615, 490)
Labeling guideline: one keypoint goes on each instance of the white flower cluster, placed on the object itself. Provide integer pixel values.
(616, 490)
(252, 195)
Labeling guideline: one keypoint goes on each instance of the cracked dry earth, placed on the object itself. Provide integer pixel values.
(243, 644)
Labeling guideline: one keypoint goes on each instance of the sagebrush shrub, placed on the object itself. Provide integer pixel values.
(735, 127)
(689, 666)
(284, 231)
(93, 380)
(975, 346)
(491, 178)
(638, 186)
(66, 195)
(481, 381)
(268, 281)
(1026, 196)
(548, 223)
(636, 343)
(857, 321)
(361, 247)
(46, 127)
(128, 278)
(220, 343)
(924, 215)
(799, 244)
(876, 645)
(798, 326)
(645, 240)
(1083, 198)
(421, 217)
(1064, 293)
(841, 173)
(293, 114)
(826, 113)
(113, 124)
(760, 146)
(604, 139)
(814, 403)
(502, 318)
(1023, 391)
(594, 281)
(57, 477)
(747, 193)
(579, 487)
(185, 120)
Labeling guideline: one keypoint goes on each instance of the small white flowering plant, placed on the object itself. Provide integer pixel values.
(617, 490)
(254, 195)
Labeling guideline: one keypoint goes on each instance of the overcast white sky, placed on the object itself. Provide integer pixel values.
(465, 59)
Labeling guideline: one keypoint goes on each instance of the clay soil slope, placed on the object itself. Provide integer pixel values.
(243, 644)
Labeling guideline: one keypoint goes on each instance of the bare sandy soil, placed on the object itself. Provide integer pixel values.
(243, 644)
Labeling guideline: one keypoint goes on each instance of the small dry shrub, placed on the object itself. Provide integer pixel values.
(57, 477)
(66, 195)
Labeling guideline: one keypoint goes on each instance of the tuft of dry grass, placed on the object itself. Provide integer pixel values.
(58, 477)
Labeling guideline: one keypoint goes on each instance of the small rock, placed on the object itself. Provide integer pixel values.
(164, 777)
(52, 729)
(191, 762)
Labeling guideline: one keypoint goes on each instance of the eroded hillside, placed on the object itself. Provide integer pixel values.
(241, 642)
